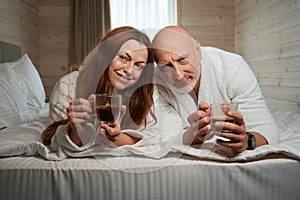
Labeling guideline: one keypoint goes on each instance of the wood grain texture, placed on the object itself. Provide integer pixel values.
(264, 32)
(267, 35)
(212, 22)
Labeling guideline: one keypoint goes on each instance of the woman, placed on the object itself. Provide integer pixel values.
(122, 63)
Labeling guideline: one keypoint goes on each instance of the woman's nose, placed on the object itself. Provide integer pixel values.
(129, 68)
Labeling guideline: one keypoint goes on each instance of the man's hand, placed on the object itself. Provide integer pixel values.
(199, 125)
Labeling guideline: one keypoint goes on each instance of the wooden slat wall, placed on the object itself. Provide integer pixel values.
(54, 27)
(212, 22)
(41, 28)
(19, 25)
(266, 33)
(268, 36)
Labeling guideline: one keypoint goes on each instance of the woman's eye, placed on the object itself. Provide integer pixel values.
(139, 67)
(122, 57)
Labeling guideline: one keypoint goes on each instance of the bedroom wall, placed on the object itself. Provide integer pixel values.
(265, 32)
(212, 22)
(41, 28)
(19, 24)
(268, 36)
(54, 26)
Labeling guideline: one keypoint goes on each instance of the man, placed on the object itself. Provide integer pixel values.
(195, 76)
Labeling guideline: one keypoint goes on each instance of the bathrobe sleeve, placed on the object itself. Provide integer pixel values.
(244, 89)
(62, 94)
(156, 138)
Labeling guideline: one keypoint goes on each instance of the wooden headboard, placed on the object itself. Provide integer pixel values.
(9, 52)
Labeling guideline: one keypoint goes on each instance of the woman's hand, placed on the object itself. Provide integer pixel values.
(79, 113)
(199, 125)
(114, 133)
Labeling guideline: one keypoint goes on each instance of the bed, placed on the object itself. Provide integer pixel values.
(26, 172)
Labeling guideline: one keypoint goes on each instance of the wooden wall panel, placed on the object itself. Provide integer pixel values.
(267, 35)
(54, 25)
(212, 22)
(41, 28)
(19, 25)
(265, 32)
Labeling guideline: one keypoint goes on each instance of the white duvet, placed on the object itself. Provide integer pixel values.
(25, 139)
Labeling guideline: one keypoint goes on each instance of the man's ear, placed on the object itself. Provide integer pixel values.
(198, 48)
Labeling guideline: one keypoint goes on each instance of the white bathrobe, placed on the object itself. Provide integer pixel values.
(151, 144)
(62, 94)
(225, 77)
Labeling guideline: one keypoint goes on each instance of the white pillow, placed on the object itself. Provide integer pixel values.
(13, 98)
(20, 85)
(26, 71)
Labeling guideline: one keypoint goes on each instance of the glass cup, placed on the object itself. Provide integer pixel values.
(108, 108)
(219, 114)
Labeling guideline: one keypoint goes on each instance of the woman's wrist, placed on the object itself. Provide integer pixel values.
(74, 136)
(124, 139)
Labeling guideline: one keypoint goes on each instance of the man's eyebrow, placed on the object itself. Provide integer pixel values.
(185, 55)
(179, 58)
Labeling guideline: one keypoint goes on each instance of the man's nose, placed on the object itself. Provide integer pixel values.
(178, 73)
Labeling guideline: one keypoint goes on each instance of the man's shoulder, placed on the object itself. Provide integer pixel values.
(217, 51)
(220, 54)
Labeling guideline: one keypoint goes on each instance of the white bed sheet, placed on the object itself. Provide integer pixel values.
(273, 173)
(24, 139)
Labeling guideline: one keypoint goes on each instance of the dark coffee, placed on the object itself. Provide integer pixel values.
(108, 114)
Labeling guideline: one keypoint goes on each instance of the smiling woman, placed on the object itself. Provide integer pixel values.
(123, 64)
(127, 66)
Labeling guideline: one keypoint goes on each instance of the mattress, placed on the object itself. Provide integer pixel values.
(144, 178)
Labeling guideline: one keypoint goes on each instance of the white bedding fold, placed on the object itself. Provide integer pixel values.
(25, 140)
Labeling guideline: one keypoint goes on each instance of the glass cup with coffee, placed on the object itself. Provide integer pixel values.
(108, 108)
(219, 114)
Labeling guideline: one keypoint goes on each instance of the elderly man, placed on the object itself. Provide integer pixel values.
(193, 77)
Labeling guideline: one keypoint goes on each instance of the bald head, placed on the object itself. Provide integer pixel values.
(172, 33)
(175, 39)
(178, 56)
(177, 29)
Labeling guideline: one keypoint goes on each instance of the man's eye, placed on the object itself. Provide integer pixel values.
(183, 60)
(165, 67)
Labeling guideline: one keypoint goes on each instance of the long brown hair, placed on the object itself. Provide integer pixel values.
(138, 98)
